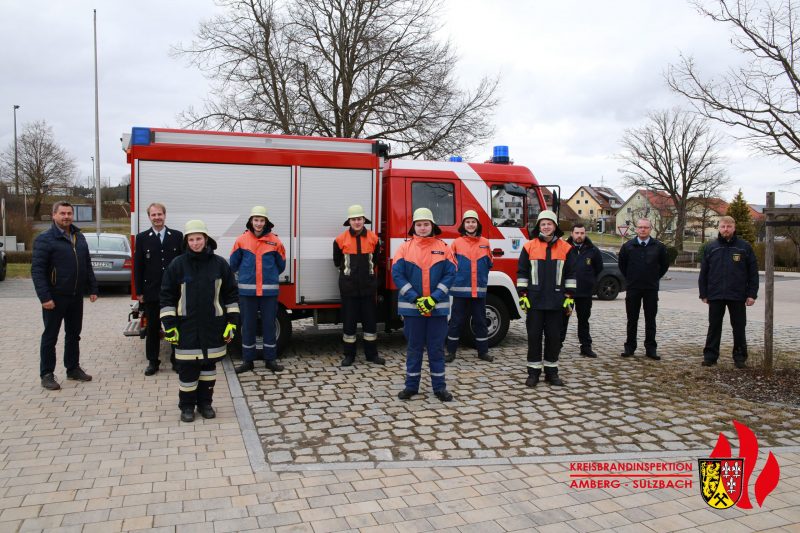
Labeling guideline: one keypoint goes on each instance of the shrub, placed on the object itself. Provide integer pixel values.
(672, 254)
(17, 226)
(19, 257)
(701, 252)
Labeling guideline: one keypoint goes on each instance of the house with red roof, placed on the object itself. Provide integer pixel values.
(657, 206)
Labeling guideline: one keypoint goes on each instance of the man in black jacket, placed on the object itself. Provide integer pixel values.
(155, 250)
(643, 261)
(589, 264)
(728, 278)
(62, 274)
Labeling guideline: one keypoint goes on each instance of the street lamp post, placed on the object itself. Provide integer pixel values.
(16, 164)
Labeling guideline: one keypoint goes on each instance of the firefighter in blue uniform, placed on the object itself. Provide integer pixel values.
(424, 270)
(474, 261)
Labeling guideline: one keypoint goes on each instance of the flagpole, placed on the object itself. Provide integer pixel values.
(98, 199)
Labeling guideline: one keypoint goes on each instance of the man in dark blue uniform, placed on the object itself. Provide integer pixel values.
(589, 264)
(155, 250)
(728, 279)
(643, 261)
(62, 274)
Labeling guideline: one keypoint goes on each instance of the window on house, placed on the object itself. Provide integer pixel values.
(586, 201)
(439, 197)
(581, 193)
(591, 211)
(579, 211)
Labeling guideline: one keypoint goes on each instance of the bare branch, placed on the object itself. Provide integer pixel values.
(674, 153)
(358, 68)
(762, 98)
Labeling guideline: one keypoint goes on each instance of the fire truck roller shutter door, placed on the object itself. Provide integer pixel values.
(192, 190)
(324, 194)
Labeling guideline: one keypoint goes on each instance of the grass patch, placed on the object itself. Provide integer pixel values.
(18, 270)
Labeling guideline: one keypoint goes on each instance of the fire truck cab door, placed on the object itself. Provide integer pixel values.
(324, 196)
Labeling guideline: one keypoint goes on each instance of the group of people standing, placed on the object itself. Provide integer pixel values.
(182, 284)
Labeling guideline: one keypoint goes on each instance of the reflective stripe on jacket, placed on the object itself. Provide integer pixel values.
(473, 258)
(199, 297)
(355, 255)
(259, 262)
(423, 266)
(546, 272)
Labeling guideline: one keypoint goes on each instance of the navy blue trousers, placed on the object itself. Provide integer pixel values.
(421, 333)
(462, 309)
(69, 310)
(249, 306)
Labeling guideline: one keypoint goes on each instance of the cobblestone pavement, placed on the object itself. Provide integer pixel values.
(316, 412)
(110, 455)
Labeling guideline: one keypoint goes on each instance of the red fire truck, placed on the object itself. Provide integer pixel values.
(307, 183)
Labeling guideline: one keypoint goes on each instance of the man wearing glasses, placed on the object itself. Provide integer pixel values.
(643, 261)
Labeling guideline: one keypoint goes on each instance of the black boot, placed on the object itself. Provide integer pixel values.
(273, 365)
(187, 414)
(554, 380)
(450, 357)
(151, 369)
(406, 394)
(206, 411)
(376, 360)
(443, 395)
(485, 357)
(247, 366)
(587, 351)
(533, 378)
(348, 360)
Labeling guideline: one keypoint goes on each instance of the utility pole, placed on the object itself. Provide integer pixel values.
(16, 162)
(98, 199)
(769, 283)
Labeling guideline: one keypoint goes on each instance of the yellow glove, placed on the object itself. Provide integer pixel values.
(425, 304)
(569, 305)
(171, 335)
(229, 332)
(524, 303)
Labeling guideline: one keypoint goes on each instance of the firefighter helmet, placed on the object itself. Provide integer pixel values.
(423, 213)
(355, 211)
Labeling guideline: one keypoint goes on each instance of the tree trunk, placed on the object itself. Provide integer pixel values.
(680, 225)
(37, 206)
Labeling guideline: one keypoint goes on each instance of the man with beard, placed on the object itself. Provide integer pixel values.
(728, 279)
(589, 264)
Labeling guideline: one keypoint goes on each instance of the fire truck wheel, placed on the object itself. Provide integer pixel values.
(498, 319)
(283, 329)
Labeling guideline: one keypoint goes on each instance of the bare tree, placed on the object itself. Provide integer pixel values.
(362, 68)
(43, 164)
(762, 97)
(675, 152)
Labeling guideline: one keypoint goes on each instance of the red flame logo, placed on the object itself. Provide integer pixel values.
(748, 450)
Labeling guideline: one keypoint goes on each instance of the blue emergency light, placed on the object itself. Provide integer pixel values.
(456, 159)
(140, 136)
(500, 154)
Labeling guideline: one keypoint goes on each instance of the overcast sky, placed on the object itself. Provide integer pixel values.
(574, 76)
